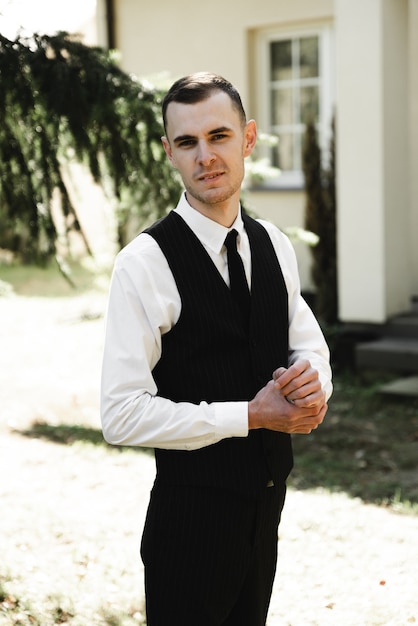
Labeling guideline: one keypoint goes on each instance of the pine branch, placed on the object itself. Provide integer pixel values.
(60, 98)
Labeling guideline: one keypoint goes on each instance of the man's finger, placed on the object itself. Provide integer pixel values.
(287, 375)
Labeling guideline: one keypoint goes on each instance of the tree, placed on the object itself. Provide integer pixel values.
(62, 100)
(320, 218)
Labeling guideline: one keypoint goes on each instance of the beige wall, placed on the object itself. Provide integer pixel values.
(396, 193)
(413, 135)
(373, 159)
(183, 36)
(285, 209)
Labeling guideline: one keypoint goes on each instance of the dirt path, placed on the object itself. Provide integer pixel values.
(71, 517)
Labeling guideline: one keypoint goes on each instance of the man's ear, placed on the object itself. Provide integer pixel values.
(250, 137)
(167, 149)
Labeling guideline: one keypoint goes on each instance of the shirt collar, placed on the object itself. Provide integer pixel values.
(210, 233)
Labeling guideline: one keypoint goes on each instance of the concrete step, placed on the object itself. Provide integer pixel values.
(402, 326)
(405, 325)
(407, 387)
(389, 353)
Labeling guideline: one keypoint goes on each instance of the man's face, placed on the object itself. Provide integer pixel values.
(207, 143)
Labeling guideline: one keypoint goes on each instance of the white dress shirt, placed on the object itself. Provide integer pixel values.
(144, 304)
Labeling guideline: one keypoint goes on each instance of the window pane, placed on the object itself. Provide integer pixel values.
(283, 154)
(309, 57)
(297, 142)
(294, 90)
(309, 104)
(281, 60)
(282, 106)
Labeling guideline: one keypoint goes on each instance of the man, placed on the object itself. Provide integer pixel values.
(216, 384)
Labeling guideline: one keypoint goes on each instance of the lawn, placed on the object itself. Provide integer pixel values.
(72, 508)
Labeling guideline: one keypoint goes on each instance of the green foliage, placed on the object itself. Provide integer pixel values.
(61, 100)
(320, 218)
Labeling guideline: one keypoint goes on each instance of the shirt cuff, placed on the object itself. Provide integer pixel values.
(231, 419)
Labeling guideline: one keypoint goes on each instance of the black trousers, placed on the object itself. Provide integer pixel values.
(210, 556)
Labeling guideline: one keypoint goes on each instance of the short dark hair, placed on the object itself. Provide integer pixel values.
(197, 87)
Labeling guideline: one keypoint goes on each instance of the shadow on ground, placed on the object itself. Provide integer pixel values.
(366, 447)
(68, 434)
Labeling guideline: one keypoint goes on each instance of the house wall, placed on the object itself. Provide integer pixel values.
(413, 135)
(396, 192)
(285, 209)
(184, 37)
(373, 159)
(358, 186)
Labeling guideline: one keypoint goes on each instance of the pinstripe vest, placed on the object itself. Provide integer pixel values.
(210, 355)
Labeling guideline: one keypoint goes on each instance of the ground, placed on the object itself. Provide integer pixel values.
(71, 515)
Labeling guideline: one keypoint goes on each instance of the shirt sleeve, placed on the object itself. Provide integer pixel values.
(143, 305)
(306, 340)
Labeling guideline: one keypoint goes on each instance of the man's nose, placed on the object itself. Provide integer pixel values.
(205, 153)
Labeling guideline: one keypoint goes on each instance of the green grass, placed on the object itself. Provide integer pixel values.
(366, 447)
(49, 282)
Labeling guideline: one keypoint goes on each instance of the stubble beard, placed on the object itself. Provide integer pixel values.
(215, 196)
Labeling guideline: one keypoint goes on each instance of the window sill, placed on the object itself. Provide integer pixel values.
(288, 181)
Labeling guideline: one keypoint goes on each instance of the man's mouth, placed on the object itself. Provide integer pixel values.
(210, 176)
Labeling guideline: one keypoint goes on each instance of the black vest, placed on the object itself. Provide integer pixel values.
(210, 355)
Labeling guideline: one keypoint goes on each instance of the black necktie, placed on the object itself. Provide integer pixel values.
(237, 278)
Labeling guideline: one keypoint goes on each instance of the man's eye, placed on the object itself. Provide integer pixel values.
(186, 143)
(218, 137)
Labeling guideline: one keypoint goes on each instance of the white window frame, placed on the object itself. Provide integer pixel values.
(294, 179)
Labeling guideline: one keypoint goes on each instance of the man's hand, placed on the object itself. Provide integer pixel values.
(300, 384)
(293, 402)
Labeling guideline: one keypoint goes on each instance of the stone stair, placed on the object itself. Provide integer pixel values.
(394, 348)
